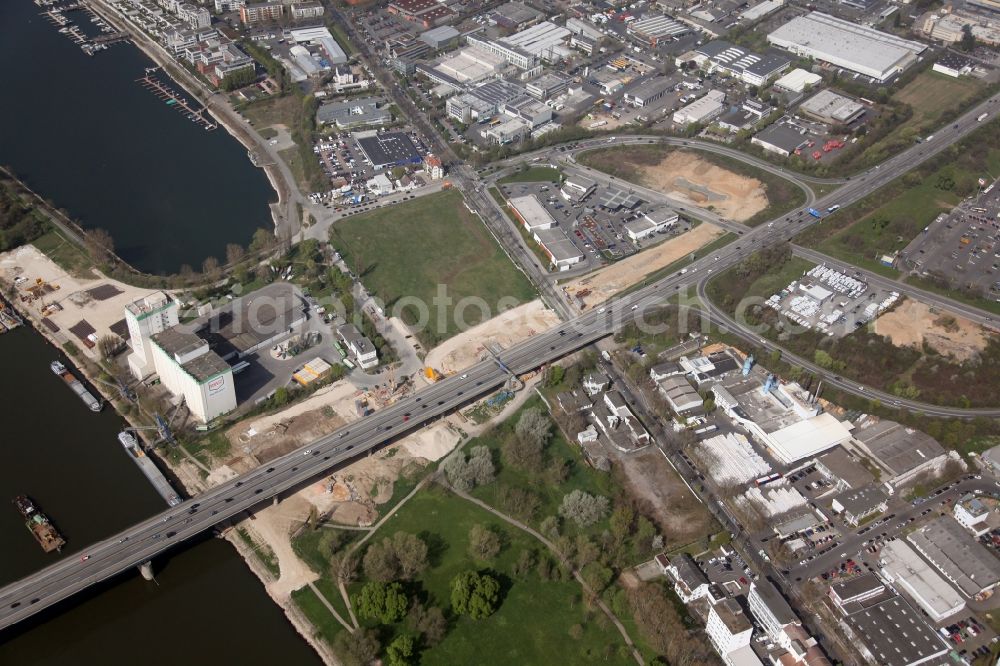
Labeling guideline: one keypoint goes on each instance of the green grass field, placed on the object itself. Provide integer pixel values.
(66, 254)
(535, 174)
(533, 622)
(412, 249)
(929, 94)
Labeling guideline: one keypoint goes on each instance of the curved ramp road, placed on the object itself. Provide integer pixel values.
(145, 540)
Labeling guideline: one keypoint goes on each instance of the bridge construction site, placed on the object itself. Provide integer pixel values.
(175, 99)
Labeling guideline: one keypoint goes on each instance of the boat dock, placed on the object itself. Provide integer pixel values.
(9, 318)
(149, 468)
(56, 14)
(176, 100)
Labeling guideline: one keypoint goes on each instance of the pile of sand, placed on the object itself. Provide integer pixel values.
(605, 283)
(912, 324)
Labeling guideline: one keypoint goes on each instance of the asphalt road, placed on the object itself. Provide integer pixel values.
(143, 541)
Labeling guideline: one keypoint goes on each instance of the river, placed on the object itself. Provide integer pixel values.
(205, 607)
(82, 133)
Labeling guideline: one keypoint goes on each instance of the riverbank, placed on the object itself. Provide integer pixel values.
(283, 213)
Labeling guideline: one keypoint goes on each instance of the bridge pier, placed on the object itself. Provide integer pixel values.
(146, 569)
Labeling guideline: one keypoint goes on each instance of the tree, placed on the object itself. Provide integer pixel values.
(100, 245)
(476, 595)
(428, 622)
(238, 79)
(968, 42)
(357, 649)
(110, 346)
(583, 508)
(210, 269)
(411, 554)
(400, 651)
(484, 543)
(262, 240)
(465, 474)
(234, 253)
(380, 601)
(524, 449)
(380, 562)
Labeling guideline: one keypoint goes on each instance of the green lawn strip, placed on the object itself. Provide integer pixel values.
(412, 248)
(65, 253)
(535, 174)
(326, 625)
(532, 243)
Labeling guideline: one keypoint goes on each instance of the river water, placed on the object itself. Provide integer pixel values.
(206, 607)
(82, 133)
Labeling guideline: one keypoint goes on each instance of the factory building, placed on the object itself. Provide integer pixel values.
(577, 188)
(957, 555)
(856, 505)
(888, 630)
(701, 110)
(797, 81)
(442, 37)
(750, 68)
(780, 139)
(869, 52)
(189, 369)
(901, 453)
(547, 85)
(649, 91)
(145, 318)
(783, 418)
(832, 108)
(680, 395)
(353, 113)
(653, 222)
(656, 29)
(904, 568)
(334, 53)
(525, 49)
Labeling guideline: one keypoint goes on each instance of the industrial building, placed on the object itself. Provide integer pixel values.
(145, 318)
(580, 27)
(653, 222)
(832, 108)
(750, 68)
(577, 188)
(957, 556)
(845, 473)
(442, 37)
(680, 395)
(353, 113)
(362, 348)
(515, 16)
(389, 149)
(654, 29)
(889, 631)
(797, 81)
(649, 91)
(904, 568)
(525, 49)
(701, 110)
(856, 505)
(321, 36)
(901, 453)
(613, 199)
(189, 369)
(469, 65)
(953, 65)
(869, 52)
(547, 85)
(783, 418)
(254, 321)
(780, 139)
(848, 595)
(532, 214)
(562, 252)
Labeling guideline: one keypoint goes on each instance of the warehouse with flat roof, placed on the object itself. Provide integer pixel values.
(389, 149)
(957, 555)
(860, 49)
(531, 213)
(832, 108)
(653, 29)
(902, 566)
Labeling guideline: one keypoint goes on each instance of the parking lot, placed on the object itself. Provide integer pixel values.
(962, 247)
(596, 231)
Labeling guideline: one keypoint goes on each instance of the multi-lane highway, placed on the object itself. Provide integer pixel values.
(143, 541)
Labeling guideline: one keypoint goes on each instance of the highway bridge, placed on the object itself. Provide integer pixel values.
(143, 541)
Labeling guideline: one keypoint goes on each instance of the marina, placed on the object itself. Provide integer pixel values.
(176, 100)
(148, 468)
(56, 14)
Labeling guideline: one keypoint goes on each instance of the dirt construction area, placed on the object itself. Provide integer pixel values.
(598, 287)
(687, 176)
(506, 329)
(912, 324)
